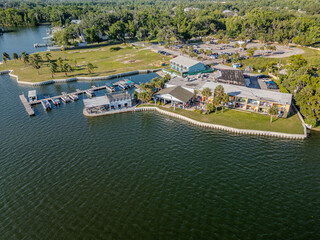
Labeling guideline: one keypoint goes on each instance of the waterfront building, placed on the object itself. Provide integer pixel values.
(186, 65)
(109, 102)
(254, 100)
(175, 95)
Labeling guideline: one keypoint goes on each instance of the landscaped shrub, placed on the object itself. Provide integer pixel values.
(200, 111)
(194, 110)
(158, 102)
(115, 49)
(151, 101)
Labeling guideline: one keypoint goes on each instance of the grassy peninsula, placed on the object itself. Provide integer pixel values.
(106, 61)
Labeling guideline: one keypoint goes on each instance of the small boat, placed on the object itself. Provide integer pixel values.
(129, 83)
(55, 101)
(65, 99)
(90, 93)
(110, 88)
(46, 104)
(123, 85)
(32, 95)
(73, 97)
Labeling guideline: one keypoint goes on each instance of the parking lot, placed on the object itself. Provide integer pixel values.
(229, 49)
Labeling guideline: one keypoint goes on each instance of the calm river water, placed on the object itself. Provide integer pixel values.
(148, 176)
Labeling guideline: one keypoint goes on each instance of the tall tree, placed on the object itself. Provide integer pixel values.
(48, 56)
(90, 68)
(53, 67)
(15, 56)
(273, 111)
(5, 57)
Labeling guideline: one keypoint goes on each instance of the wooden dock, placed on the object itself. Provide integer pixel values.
(27, 105)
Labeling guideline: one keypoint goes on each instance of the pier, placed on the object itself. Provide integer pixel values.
(28, 105)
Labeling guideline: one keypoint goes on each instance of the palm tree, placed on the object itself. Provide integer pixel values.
(60, 62)
(53, 68)
(209, 107)
(216, 102)
(90, 68)
(35, 62)
(15, 56)
(5, 57)
(250, 52)
(37, 57)
(236, 57)
(66, 68)
(224, 100)
(206, 92)
(48, 56)
(273, 111)
(143, 96)
(25, 57)
(224, 58)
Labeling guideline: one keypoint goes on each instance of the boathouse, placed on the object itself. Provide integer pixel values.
(109, 102)
(175, 95)
(186, 65)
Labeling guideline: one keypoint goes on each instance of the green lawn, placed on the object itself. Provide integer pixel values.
(312, 56)
(106, 60)
(245, 120)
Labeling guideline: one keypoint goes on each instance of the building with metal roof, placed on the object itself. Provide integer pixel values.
(109, 102)
(186, 65)
(176, 94)
(253, 99)
(230, 76)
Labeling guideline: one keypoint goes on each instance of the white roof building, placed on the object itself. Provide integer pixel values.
(252, 93)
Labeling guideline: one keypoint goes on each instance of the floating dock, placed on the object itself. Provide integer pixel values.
(27, 105)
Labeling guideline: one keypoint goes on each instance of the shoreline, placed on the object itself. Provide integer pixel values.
(75, 79)
(208, 125)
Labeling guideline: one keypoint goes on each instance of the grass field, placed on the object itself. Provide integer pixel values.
(311, 55)
(245, 120)
(106, 60)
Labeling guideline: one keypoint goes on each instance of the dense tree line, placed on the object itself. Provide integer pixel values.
(303, 82)
(265, 20)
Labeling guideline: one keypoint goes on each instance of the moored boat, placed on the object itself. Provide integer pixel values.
(46, 104)
(110, 88)
(90, 93)
(65, 99)
(55, 101)
(73, 97)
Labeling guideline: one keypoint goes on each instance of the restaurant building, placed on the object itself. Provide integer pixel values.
(254, 100)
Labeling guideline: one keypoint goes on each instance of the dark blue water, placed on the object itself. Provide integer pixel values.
(22, 40)
(144, 175)
(147, 176)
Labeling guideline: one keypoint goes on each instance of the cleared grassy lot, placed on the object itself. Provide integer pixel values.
(107, 60)
(311, 55)
(245, 120)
